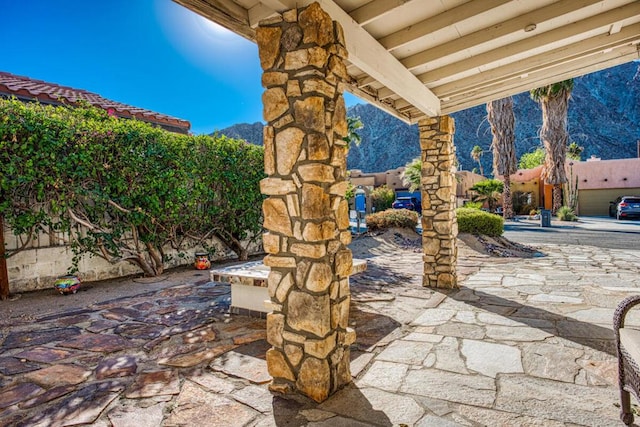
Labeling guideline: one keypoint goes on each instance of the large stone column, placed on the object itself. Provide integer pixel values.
(306, 214)
(439, 225)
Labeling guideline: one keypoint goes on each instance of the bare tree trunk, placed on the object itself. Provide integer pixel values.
(500, 116)
(554, 137)
(234, 244)
(4, 275)
(557, 198)
(156, 259)
(148, 268)
(507, 199)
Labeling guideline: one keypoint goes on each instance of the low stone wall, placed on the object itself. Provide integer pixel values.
(37, 268)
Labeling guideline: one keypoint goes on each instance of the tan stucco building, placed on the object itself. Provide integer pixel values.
(598, 183)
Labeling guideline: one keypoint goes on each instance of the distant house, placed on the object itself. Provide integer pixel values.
(393, 179)
(598, 183)
(31, 90)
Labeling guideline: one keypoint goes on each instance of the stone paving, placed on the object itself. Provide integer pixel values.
(523, 342)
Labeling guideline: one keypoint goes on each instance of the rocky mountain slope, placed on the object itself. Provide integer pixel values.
(604, 118)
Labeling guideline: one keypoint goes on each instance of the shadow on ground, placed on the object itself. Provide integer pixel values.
(587, 334)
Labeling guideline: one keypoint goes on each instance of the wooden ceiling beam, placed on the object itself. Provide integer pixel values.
(387, 106)
(602, 21)
(539, 79)
(573, 52)
(223, 12)
(443, 20)
(495, 31)
(375, 9)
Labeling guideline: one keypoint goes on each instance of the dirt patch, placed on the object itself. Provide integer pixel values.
(406, 239)
(497, 246)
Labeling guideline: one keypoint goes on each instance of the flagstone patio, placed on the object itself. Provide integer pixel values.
(523, 342)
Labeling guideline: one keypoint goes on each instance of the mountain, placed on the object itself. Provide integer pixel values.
(604, 118)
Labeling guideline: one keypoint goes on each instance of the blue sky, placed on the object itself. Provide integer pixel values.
(153, 54)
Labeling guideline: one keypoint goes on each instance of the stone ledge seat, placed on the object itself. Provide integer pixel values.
(628, 349)
(249, 284)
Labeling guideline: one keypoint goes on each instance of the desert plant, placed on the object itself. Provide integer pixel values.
(382, 198)
(565, 213)
(475, 221)
(392, 218)
(412, 174)
(489, 191)
(574, 151)
(353, 124)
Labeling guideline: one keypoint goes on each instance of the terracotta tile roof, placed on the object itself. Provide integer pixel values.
(51, 93)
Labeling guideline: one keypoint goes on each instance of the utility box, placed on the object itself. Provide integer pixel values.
(545, 218)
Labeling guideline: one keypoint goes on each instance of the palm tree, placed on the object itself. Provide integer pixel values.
(554, 101)
(412, 174)
(502, 120)
(476, 154)
(353, 124)
(488, 191)
(574, 151)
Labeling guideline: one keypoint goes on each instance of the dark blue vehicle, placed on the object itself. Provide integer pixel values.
(411, 203)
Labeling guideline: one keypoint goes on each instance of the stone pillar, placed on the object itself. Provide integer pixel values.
(439, 225)
(306, 214)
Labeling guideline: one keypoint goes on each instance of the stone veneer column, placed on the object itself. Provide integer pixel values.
(306, 214)
(439, 225)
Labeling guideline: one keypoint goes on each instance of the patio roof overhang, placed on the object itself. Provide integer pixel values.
(418, 58)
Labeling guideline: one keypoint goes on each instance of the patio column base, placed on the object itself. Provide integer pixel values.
(438, 187)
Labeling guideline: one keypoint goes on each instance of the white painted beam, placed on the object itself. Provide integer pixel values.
(567, 32)
(542, 78)
(375, 9)
(443, 20)
(565, 54)
(495, 31)
(369, 56)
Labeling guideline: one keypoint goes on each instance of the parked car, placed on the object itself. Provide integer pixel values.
(411, 203)
(625, 207)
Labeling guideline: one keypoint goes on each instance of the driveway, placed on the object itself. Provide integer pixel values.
(600, 232)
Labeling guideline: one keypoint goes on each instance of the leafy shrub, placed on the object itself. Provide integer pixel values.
(382, 198)
(532, 159)
(121, 189)
(479, 222)
(565, 213)
(473, 205)
(392, 218)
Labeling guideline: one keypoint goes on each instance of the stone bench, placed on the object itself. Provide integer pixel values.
(249, 284)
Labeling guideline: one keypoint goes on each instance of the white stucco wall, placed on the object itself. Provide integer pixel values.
(38, 267)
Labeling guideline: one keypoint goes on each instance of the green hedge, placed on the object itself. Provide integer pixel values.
(476, 221)
(133, 188)
(392, 218)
